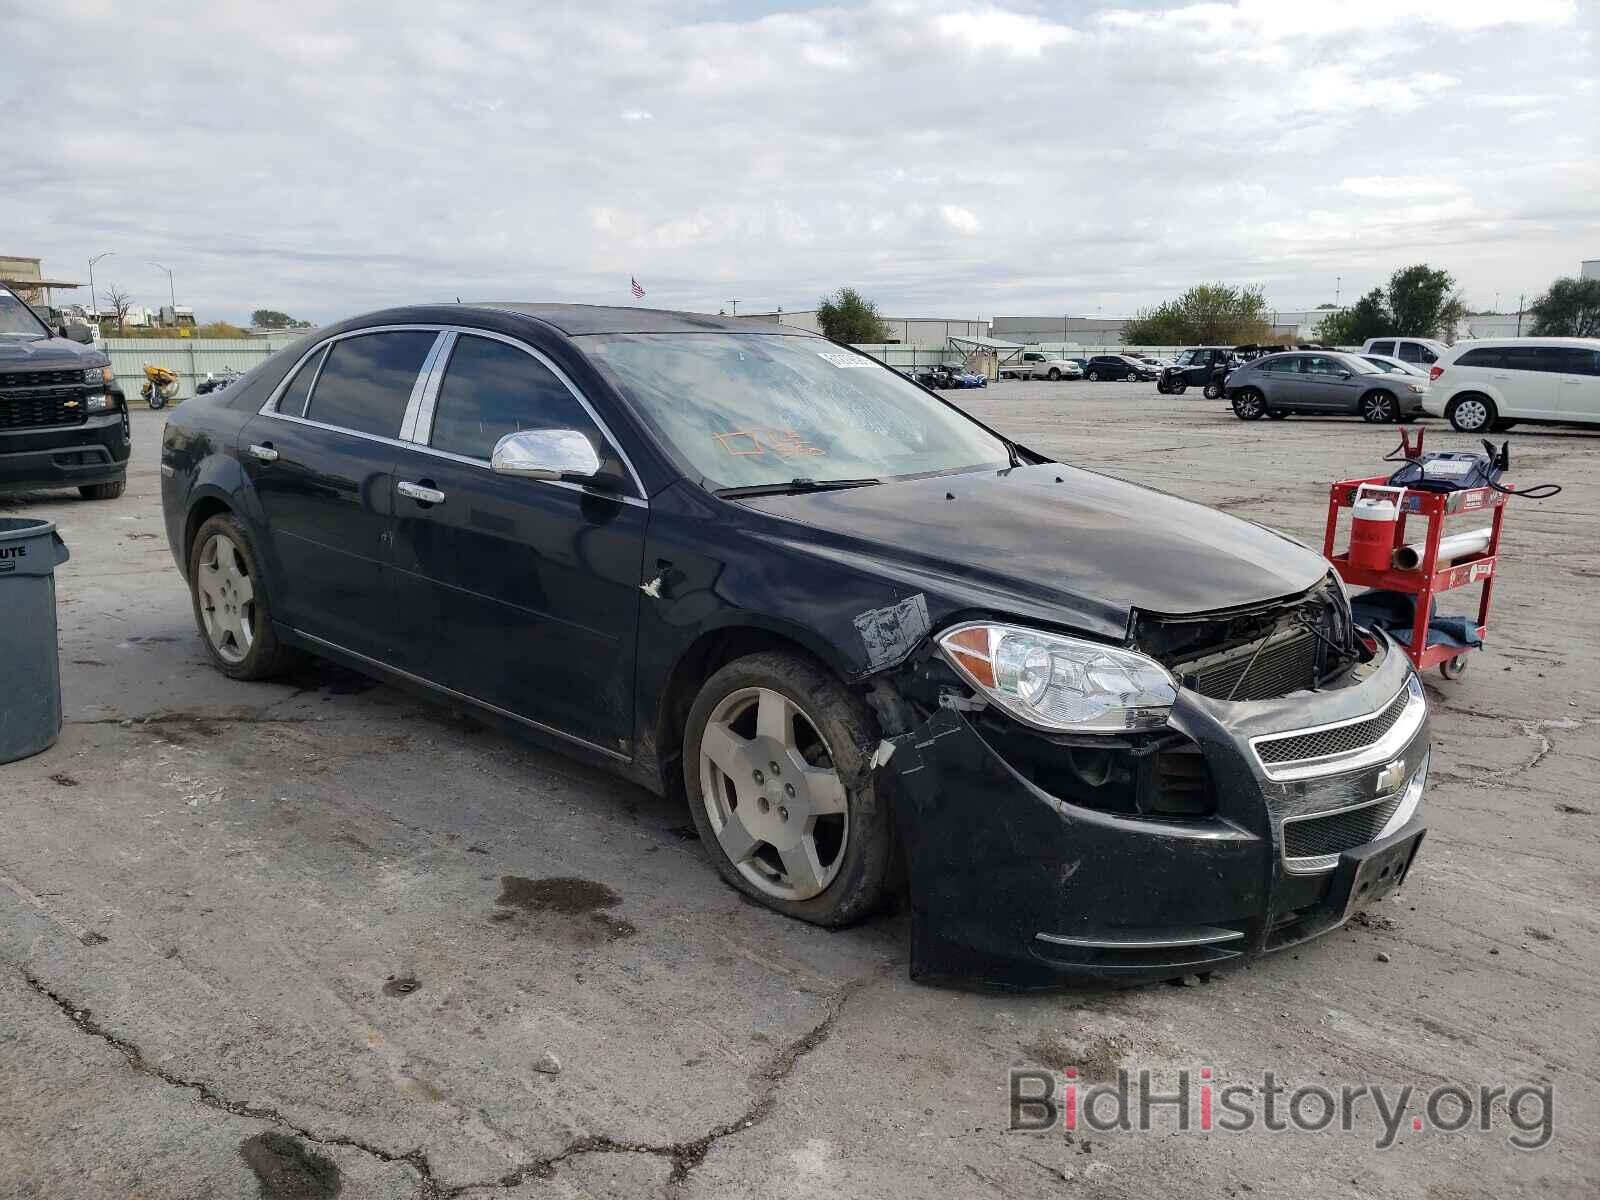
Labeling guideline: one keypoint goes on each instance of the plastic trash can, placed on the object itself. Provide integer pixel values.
(30, 667)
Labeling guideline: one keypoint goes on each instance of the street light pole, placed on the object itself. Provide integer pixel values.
(94, 300)
(172, 293)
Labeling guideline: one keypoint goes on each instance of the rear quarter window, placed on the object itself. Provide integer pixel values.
(1487, 357)
(1381, 348)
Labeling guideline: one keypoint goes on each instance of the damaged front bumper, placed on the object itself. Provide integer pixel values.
(1312, 811)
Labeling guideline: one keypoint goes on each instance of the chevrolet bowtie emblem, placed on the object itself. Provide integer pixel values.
(1391, 777)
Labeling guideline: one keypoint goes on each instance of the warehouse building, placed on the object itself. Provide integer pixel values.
(904, 331)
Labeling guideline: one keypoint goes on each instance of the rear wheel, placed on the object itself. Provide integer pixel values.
(231, 606)
(1472, 413)
(777, 768)
(103, 491)
(1213, 391)
(1249, 405)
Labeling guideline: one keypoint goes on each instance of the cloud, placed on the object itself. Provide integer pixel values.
(960, 157)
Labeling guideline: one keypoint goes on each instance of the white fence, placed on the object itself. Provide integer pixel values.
(189, 358)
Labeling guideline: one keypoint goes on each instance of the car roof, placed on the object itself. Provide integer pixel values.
(1498, 343)
(578, 319)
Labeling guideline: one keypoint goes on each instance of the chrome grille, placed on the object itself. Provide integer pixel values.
(1336, 832)
(1283, 666)
(1341, 739)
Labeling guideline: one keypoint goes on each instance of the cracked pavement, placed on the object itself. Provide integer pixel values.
(257, 940)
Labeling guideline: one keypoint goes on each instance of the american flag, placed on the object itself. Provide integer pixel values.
(638, 292)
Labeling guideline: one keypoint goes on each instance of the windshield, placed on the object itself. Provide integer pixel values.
(1187, 358)
(18, 320)
(743, 410)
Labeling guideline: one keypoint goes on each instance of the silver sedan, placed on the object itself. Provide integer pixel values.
(1323, 382)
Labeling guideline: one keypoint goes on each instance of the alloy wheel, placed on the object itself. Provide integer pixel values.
(1470, 416)
(227, 599)
(1378, 408)
(779, 810)
(1248, 405)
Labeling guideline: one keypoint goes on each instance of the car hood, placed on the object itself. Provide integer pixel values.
(47, 354)
(1049, 542)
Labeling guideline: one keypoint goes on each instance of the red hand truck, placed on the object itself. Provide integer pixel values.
(1432, 576)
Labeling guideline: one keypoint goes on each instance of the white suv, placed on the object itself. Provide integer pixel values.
(1419, 352)
(1493, 383)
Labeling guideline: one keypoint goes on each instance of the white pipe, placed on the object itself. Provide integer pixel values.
(1457, 545)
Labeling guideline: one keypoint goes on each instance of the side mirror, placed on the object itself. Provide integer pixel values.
(565, 455)
(78, 333)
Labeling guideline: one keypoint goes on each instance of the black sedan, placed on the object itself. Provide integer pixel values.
(864, 637)
(1118, 366)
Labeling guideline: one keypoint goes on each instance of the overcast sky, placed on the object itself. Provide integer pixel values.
(948, 159)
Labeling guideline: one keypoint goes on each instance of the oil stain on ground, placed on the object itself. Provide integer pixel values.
(561, 909)
(286, 1170)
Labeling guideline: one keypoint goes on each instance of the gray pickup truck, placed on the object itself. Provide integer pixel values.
(63, 419)
(1035, 364)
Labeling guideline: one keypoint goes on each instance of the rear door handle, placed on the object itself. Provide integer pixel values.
(420, 493)
(265, 453)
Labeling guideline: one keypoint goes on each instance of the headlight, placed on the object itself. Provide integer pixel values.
(98, 375)
(1061, 683)
(1416, 387)
(101, 403)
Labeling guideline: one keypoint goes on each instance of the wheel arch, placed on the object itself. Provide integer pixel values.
(207, 502)
(711, 650)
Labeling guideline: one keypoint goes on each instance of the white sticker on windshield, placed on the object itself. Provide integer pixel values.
(840, 359)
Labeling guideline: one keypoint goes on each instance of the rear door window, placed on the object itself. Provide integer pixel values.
(293, 401)
(1533, 358)
(366, 382)
(1415, 352)
(491, 389)
(1578, 361)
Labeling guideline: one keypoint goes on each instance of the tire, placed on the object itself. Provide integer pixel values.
(1055, 375)
(1472, 412)
(1249, 405)
(103, 491)
(239, 637)
(830, 737)
(1093, 376)
(1454, 668)
(1378, 408)
(1162, 387)
(1180, 388)
(1213, 391)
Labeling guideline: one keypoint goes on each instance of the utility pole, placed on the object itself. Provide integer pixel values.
(94, 301)
(1520, 297)
(1338, 287)
(733, 307)
(172, 294)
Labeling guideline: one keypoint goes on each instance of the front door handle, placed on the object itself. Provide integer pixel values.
(265, 453)
(420, 493)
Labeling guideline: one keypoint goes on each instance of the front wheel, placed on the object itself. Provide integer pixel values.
(1161, 386)
(1377, 408)
(103, 491)
(1249, 405)
(777, 766)
(1471, 413)
(1055, 375)
(1093, 376)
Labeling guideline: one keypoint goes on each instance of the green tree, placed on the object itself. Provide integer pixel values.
(1367, 318)
(1571, 308)
(1424, 302)
(1209, 313)
(271, 318)
(847, 316)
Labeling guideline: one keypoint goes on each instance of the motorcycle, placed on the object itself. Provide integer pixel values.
(212, 383)
(160, 385)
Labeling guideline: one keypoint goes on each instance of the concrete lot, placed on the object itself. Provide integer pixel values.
(252, 937)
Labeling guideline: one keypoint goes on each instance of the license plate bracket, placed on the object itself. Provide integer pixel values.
(1379, 872)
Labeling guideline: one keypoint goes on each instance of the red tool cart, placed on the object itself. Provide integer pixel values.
(1432, 574)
